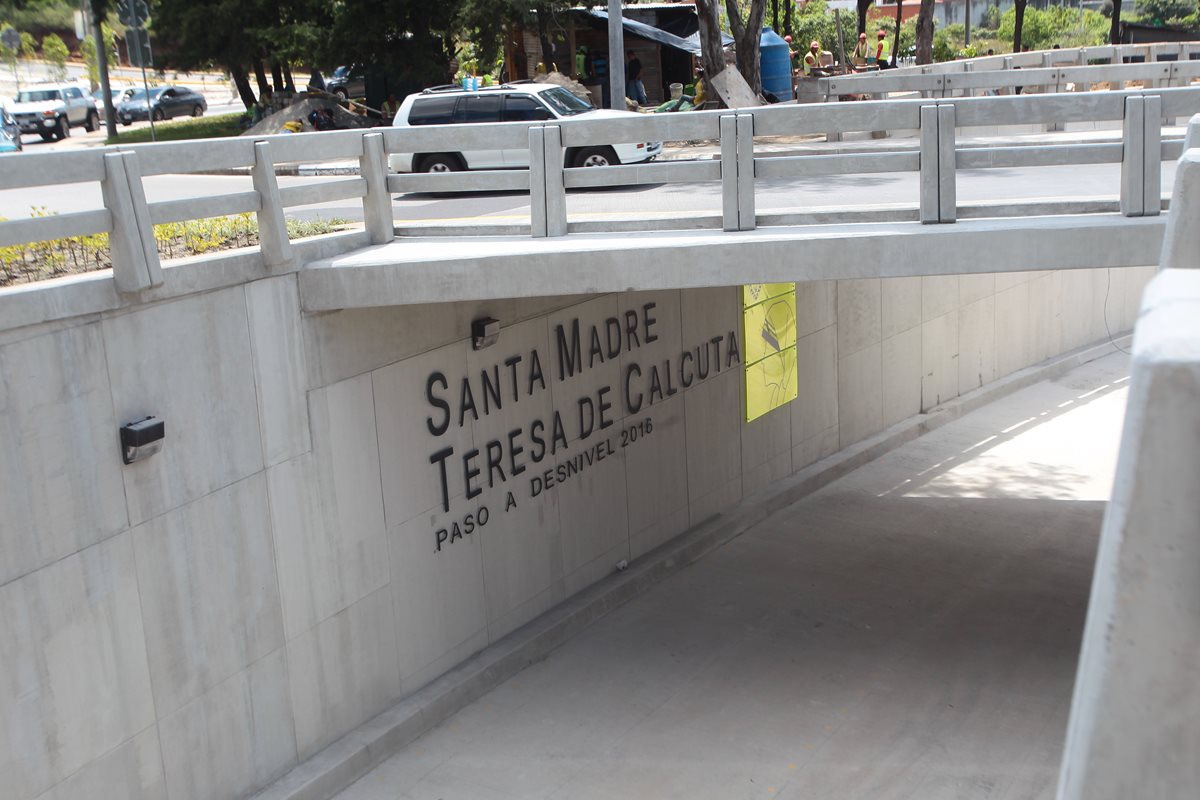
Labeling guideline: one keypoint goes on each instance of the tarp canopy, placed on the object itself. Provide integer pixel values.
(689, 45)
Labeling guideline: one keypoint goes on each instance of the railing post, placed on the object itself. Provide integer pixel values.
(729, 173)
(556, 189)
(537, 182)
(547, 192)
(272, 227)
(377, 204)
(1181, 244)
(947, 168)
(1152, 156)
(1133, 192)
(745, 172)
(930, 155)
(1192, 137)
(136, 265)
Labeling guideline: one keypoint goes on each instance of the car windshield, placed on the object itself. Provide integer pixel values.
(341, 72)
(40, 96)
(565, 103)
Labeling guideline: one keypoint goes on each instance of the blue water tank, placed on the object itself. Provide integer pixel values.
(775, 62)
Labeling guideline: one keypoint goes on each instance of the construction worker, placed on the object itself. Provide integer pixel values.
(883, 51)
(812, 59)
(581, 64)
(862, 54)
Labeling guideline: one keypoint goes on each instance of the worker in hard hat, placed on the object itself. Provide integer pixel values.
(883, 51)
(812, 59)
(863, 54)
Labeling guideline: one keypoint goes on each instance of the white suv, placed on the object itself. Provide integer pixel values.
(50, 110)
(518, 102)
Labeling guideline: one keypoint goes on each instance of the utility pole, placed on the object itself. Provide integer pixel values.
(616, 55)
(967, 24)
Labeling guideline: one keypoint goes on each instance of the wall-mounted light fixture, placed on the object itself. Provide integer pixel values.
(485, 332)
(142, 439)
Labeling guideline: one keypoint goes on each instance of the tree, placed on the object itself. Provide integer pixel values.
(712, 50)
(90, 61)
(863, 6)
(55, 51)
(925, 32)
(1114, 33)
(1164, 12)
(1018, 23)
(899, 23)
(747, 34)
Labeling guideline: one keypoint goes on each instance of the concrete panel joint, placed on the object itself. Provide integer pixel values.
(136, 265)
(273, 239)
(377, 204)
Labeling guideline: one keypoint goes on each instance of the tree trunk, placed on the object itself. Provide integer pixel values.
(712, 54)
(1018, 23)
(896, 44)
(925, 32)
(289, 83)
(863, 7)
(260, 76)
(1114, 33)
(276, 75)
(747, 34)
(241, 79)
(775, 15)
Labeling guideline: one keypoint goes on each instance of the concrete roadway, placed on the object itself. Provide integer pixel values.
(657, 199)
(910, 631)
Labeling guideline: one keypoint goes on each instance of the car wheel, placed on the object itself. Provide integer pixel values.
(341, 94)
(93, 122)
(440, 163)
(595, 157)
(158, 115)
(197, 110)
(64, 128)
(127, 123)
(47, 136)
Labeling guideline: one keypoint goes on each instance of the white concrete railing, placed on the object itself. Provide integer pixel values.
(1076, 56)
(128, 217)
(1046, 77)
(1135, 714)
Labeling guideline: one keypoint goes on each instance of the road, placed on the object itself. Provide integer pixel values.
(657, 199)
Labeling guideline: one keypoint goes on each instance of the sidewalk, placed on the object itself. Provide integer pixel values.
(910, 631)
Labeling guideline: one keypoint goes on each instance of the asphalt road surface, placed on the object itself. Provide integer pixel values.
(657, 199)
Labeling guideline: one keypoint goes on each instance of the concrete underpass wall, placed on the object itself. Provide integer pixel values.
(194, 625)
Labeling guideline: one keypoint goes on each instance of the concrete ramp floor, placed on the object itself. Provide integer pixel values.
(910, 631)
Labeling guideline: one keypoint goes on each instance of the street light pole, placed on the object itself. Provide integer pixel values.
(616, 56)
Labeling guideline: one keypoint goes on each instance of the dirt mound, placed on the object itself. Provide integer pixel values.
(342, 118)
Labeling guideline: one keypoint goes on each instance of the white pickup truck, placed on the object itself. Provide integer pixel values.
(50, 110)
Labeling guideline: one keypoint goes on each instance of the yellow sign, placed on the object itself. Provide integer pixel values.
(755, 293)
(770, 383)
(769, 333)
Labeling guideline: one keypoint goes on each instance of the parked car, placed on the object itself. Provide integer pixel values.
(119, 94)
(348, 81)
(10, 132)
(163, 102)
(521, 102)
(50, 110)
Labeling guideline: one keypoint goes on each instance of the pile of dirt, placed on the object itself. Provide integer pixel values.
(570, 84)
(299, 111)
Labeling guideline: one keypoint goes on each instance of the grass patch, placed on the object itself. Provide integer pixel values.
(214, 127)
(51, 259)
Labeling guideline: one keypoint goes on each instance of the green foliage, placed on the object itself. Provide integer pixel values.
(28, 46)
(1165, 12)
(991, 17)
(39, 15)
(7, 54)
(49, 259)
(1044, 28)
(217, 126)
(947, 41)
(55, 51)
